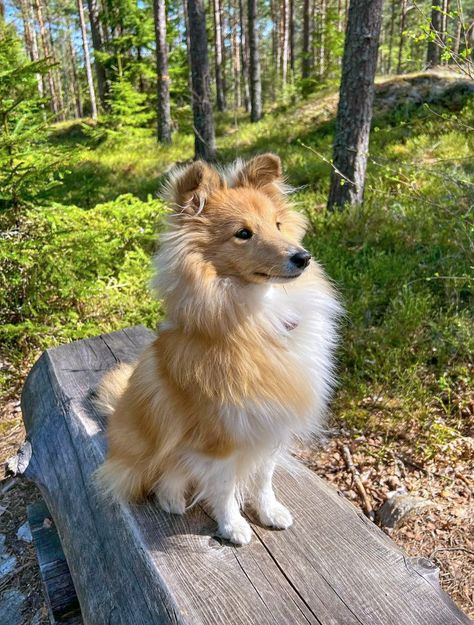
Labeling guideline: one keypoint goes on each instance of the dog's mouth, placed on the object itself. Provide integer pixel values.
(268, 276)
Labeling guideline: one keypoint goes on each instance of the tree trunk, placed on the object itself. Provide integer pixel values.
(244, 59)
(292, 36)
(403, 16)
(322, 39)
(457, 37)
(188, 46)
(204, 139)
(285, 22)
(87, 61)
(97, 35)
(236, 65)
(47, 53)
(356, 94)
(254, 70)
(307, 57)
(276, 44)
(31, 43)
(444, 26)
(56, 71)
(27, 30)
(219, 56)
(391, 37)
(162, 77)
(433, 56)
(76, 85)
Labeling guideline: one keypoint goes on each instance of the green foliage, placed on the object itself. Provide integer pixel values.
(128, 109)
(28, 164)
(66, 272)
(401, 263)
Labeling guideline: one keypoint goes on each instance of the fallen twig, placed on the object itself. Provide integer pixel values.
(356, 479)
(438, 549)
(12, 574)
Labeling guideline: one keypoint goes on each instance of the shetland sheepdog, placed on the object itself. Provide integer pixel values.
(243, 362)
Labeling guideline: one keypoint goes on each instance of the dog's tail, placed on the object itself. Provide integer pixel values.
(111, 388)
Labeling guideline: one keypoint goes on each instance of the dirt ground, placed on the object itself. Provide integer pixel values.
(442, 530)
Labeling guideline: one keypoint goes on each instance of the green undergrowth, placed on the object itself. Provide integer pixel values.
(80, 264)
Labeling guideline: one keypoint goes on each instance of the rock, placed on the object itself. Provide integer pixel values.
(399, 507)
(7, 561)
(11, 603)
(7, 565)
(36, 620)
(24, 533)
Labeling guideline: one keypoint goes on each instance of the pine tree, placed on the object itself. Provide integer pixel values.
(27, 162)
(356, 94)
(219, 56)
(162, 76)
(204, 139)
(254, 66)
(87, 62)
(433, 55)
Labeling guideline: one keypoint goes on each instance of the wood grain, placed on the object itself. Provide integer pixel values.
(61, 597)
(136, 565)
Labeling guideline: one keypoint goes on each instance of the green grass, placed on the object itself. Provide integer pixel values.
(402, 262)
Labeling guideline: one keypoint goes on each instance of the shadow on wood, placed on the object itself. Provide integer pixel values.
(136, 565)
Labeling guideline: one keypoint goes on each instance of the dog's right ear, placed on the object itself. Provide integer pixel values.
(189, 188)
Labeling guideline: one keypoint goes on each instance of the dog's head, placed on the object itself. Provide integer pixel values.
(240, 222)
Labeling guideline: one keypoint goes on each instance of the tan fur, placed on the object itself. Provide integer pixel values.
(213, 353)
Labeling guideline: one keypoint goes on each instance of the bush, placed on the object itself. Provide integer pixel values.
(28, 164)
(66, 272)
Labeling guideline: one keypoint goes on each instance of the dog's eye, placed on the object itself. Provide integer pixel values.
(278, 224)
(244, 233)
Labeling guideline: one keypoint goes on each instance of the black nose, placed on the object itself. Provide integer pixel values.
(301, 259)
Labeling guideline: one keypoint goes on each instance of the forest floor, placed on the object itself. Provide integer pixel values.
(405, 405)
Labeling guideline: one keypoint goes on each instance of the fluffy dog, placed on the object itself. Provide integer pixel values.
(242, 364)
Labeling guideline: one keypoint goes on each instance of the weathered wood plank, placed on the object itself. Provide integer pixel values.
(61, 598)
(136, 565)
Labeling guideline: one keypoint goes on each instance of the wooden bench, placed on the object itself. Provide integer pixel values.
(136, 565)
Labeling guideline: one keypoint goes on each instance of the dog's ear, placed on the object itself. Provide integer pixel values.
(189, 188)
(259, 172)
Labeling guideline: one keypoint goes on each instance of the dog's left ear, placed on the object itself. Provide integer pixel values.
(259, 172)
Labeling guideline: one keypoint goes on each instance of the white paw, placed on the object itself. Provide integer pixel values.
(238, 531)
(276, 515)
(175, 504)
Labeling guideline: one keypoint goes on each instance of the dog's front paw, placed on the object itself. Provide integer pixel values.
(174, 504)
(276, 515)
(238, 531)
